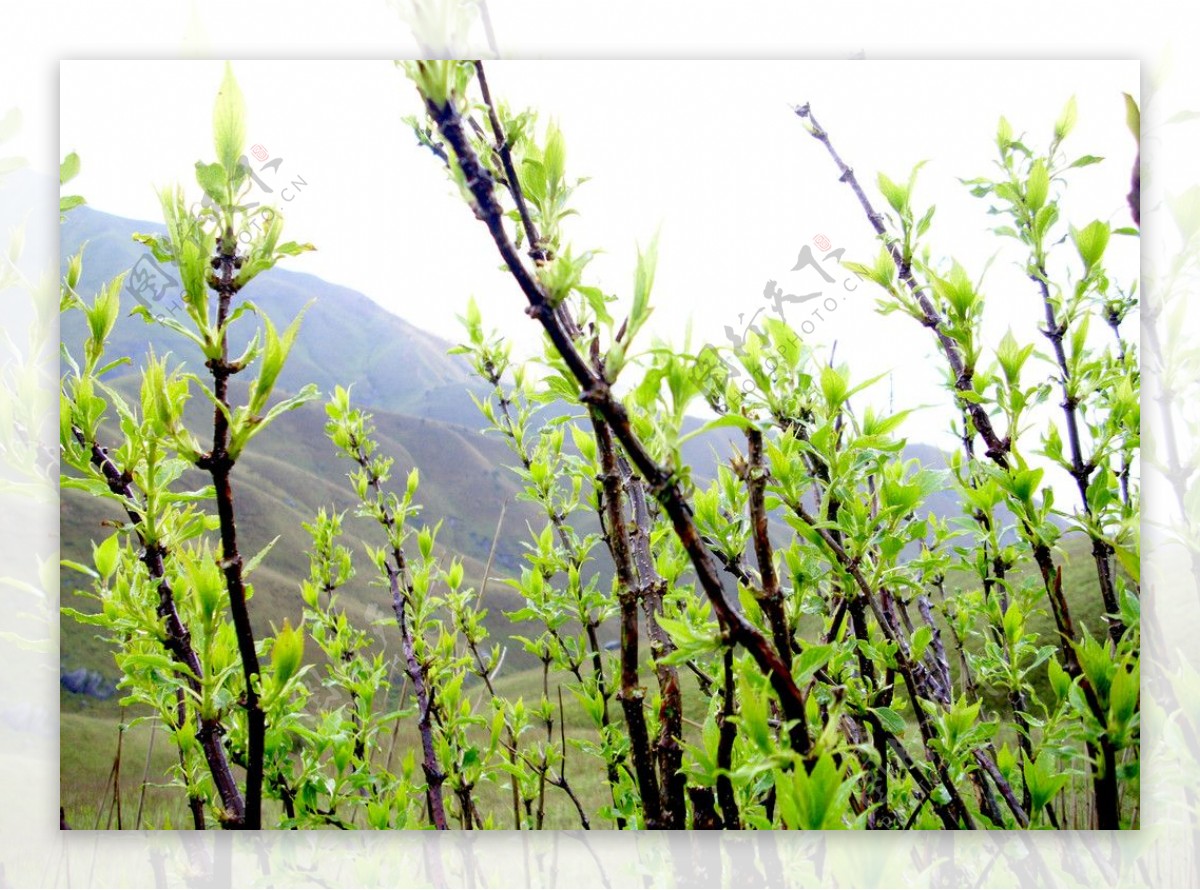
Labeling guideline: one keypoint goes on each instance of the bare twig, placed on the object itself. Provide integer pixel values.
(595, 392)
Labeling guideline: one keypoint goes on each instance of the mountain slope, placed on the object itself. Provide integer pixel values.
(345, 337)
(424, 416)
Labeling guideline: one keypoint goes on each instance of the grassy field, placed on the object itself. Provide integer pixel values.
(90, 740)
(89, 734)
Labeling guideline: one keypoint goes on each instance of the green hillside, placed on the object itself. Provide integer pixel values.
(393, 365)
(424, 418)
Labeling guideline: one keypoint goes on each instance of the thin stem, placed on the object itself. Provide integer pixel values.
(400, 588)
(137, 821)
(1081, 471)
(727, 735)
(220, 463)
(560, 781)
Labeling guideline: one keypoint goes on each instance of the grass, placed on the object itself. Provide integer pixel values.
(89, 748)
(89, 734)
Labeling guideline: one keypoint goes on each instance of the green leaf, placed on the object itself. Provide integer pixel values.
(215, 182)
(814, 800)
(257, 558)
(293, 248)
(1012, 357)
(79, 567)
(921, 639)
(167, 322)
(1060, 681)
(1066, 121)
(276, 349)
(895, 194)
(554, 159)
(834, 387)
(1042, 780)
(643, 283)
(1014, 624)
(1004, 133)
(1091, 242)
(1123, 698)
(68, 169)
(891, 720)
(722, 422)
(286, 653)
(584, 444)
(105, 557)
(251, 426)
(1037, 189)
(229, 123)
(812, 659)
(205, 581)
(1133, 117)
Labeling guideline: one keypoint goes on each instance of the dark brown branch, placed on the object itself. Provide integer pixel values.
(504, 151)
(560, 781)
(632, 694)
(997, 449)
(1002, 785)
(771, 597)
(595, 393)
(220, 463)
(943, 810)
(178, 640)
(670, 714)
(727, 735)
(1135, 191)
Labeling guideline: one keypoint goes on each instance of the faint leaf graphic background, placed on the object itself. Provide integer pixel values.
(34, 853)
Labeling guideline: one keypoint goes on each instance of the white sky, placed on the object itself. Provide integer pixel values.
(708, 153)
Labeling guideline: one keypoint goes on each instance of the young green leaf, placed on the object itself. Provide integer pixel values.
(229, 123)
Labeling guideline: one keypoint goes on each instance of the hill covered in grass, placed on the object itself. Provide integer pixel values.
(424, 417)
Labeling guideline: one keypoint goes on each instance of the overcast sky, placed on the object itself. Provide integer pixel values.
(709, 154)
